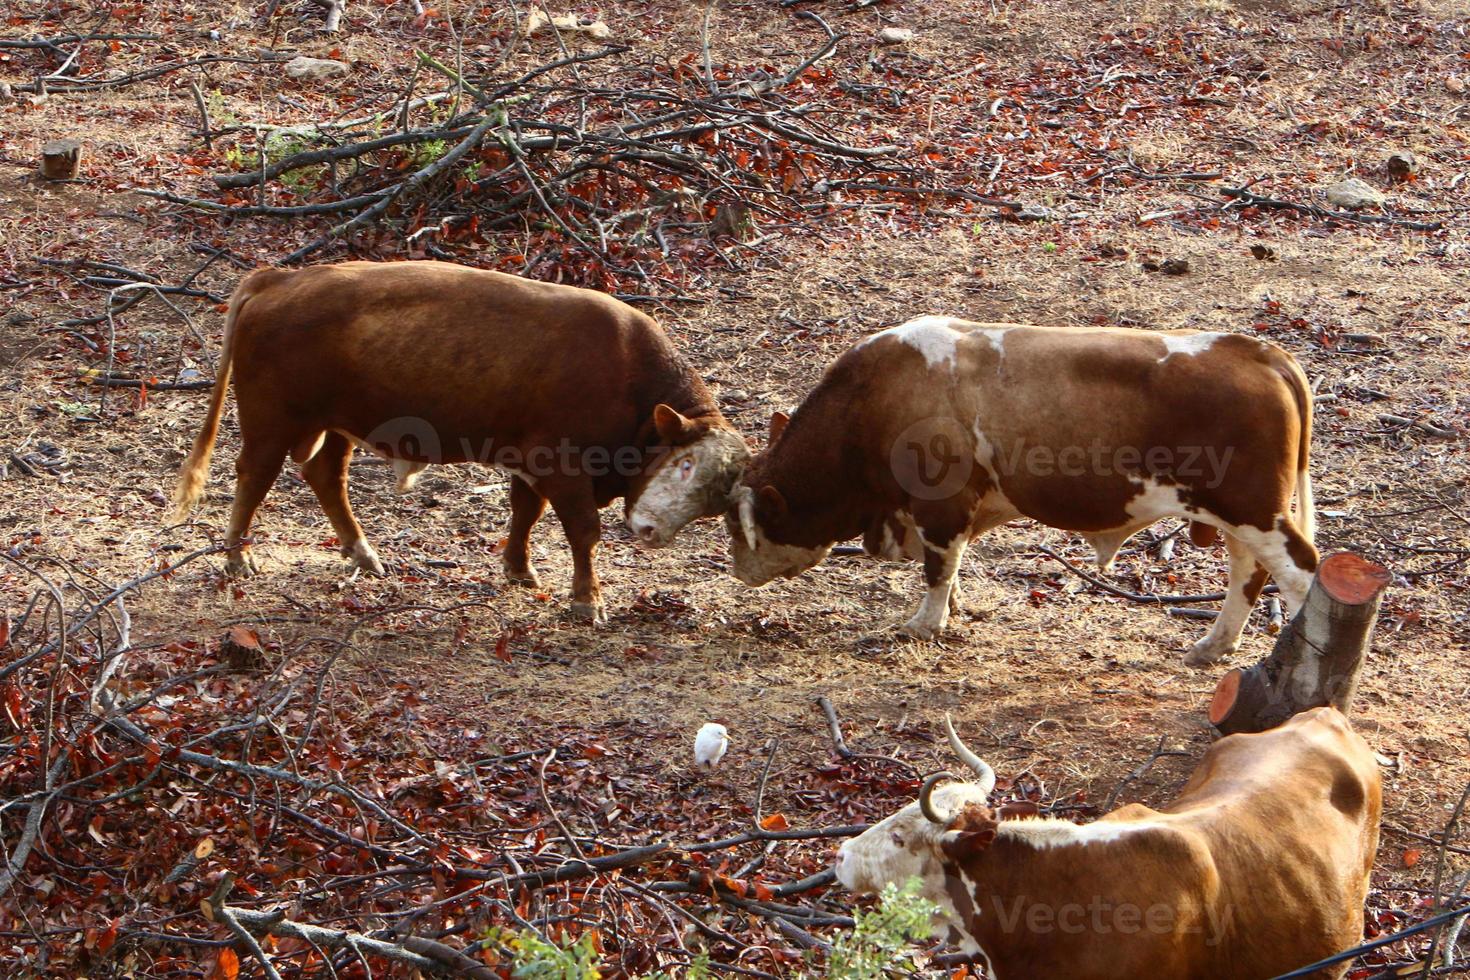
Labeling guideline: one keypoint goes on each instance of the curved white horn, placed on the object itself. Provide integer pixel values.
(985, 776)
(747, 517)
(926, 804)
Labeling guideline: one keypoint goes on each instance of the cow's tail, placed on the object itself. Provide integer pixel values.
(195, 471)
(1303, 511)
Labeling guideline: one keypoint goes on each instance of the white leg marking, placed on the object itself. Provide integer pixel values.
(1270, 550)
(1106, 544)
(407, 473)
(1223, 638)
(933, 613)
(361, 556)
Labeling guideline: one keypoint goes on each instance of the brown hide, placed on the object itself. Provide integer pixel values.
(430, 362)
(1260, 866)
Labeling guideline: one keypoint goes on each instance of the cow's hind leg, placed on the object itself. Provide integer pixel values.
(1287, 555)
(326, 472)
(526, 508)
(576, 508)
(1246, 581)
(256, 470)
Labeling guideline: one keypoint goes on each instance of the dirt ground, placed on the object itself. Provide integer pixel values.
(1047, 677)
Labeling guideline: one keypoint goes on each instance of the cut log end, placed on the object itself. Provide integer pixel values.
(1318, 656)
(1350, 579)
(1225, 694)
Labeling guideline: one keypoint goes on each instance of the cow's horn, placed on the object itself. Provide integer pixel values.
(747, 517)
(985, 774)
(926, 805)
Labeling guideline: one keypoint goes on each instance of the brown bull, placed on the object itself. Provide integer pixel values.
(580, 397)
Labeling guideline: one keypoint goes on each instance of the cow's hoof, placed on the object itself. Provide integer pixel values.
(589, 612)
(523, 576)
(917, 629)
(361, 556)
(241, 564)
(1208, 651)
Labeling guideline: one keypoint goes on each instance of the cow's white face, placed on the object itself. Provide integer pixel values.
(691, 481)
(754, 558)
(906, 845)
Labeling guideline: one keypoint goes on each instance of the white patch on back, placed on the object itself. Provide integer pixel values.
(1045, 832)
(996, 336)
(1189, 344)
(932, 336)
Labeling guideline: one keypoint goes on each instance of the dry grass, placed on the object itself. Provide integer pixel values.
(1050, 678)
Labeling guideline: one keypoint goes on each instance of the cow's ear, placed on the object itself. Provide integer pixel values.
(971, 831)
(770, 502)
(778, 425)
(673, 428)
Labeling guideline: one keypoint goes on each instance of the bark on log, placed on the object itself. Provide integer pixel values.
(1317, 657)
(61, 159)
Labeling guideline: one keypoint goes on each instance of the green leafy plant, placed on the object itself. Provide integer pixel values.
(876, 943)
(540, 959)
(878, 940)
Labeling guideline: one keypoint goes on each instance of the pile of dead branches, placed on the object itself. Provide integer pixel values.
(624, 183)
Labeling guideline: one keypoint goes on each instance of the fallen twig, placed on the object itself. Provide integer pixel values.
(1246, 197)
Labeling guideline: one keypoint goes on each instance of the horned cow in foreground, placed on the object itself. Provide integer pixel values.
(924, 436)
(580, 397)
(1259, 867)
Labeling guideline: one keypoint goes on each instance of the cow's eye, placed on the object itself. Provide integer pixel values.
(685, 468)
(897, 839)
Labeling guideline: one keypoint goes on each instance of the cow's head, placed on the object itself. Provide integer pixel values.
(690, 478)
(945, 825)
(762, 526)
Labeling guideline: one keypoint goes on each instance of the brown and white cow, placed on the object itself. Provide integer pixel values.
(924, 436)
(1259, 867)
(580, 397)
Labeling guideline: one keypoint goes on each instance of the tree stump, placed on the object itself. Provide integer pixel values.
(61, 159)
(1317, 657)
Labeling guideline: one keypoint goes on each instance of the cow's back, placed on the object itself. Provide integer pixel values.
(475, 354)
(1291, 816)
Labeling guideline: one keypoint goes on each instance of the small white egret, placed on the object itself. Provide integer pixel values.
(710, 745)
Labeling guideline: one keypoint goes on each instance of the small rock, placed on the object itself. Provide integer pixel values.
(1266, 253)
(1401, 165)
(1455, 85)
(1354, 195)
(538, 22)
(1035, 212)
(1174, 267)
(7, 94)
(315, 69)
(895, 35)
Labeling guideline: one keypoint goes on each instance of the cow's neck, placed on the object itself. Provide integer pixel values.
(1032, 868)
(810, 465)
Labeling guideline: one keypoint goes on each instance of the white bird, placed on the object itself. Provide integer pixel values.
(710, 745)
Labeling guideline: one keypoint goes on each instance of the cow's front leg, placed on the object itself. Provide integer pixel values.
(577, 511)
(941, 566)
